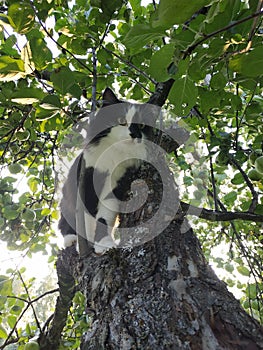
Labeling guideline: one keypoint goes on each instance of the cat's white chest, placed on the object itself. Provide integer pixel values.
(117, 149)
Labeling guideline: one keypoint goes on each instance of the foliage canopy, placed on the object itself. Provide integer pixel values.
(58, 56)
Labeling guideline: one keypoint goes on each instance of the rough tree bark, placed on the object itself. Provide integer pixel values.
(161, 294)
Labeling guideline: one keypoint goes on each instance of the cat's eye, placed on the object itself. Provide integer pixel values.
(141, 126)
(122, 121)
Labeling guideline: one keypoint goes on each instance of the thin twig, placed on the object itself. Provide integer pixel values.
(106, 31)
(129, 64)
(94, 81)
(28, 295)
(192, 47)
(213, 183)
(237, 122)
(254, 24)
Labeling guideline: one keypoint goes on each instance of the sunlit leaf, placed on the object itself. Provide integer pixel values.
(11, 68)
(11, 320)
(28, 96)
(249, 64)
(33, 184)
(51, 102)
(41, 55)
(55, 214)
(176, 11)
(3, 333)
(45, 211)
(243, 270)
(21, 16)
(183, 95)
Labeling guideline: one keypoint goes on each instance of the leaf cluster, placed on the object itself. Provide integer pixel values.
(56, 57)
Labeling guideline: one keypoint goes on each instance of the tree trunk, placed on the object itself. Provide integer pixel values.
(161, 294)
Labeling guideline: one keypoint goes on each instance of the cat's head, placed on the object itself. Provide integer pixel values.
(125, 117)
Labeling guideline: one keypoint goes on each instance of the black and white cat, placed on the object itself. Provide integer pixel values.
(101, 176)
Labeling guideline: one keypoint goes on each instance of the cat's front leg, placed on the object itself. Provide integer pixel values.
(105, 218)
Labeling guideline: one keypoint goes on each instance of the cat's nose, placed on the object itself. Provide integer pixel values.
(136, 135)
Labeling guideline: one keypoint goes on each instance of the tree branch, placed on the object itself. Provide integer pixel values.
(51, 338)
(212, 215)
(192, 47)
(161, 93)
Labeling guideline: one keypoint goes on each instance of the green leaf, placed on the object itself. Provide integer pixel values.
(33, 184)
(28, 215)
(172, 12)
(218, 81)
(140, 35)
(135, 4)
(11, 320)
(5, 285)
(3, 333)
(63, 79)
(251, 291)
(28, 329)
(44, 113)
(259, 209)
(51, 102)
(230, 197)
(109, 7)
(15, 168)
(75, 91)
(16, 309)
(208, 99)
(10, 68)
(160, 62)
(10, 213)
(55, 214)
(27, 96)
(21, 17)
(22, 135)
(229, 267)
(237, 179)
(183, 95)
(45, 211)
(8, 45)
(41, 55)
(243, 270)
(249, 64)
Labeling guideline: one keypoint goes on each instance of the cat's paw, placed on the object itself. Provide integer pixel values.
(70, 240)
(104, 245)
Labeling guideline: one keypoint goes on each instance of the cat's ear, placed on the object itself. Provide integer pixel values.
(109, 98)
